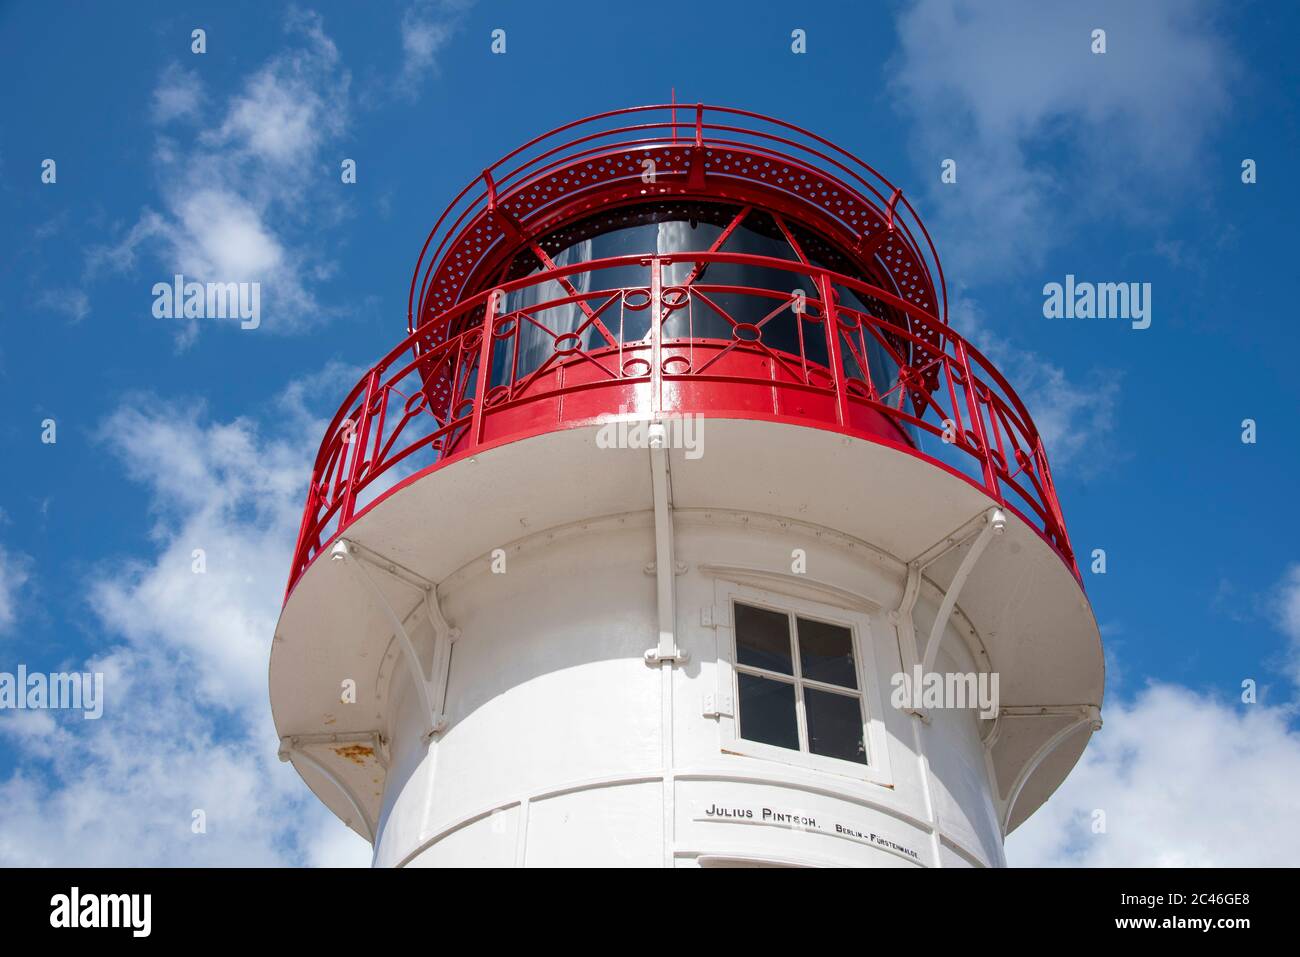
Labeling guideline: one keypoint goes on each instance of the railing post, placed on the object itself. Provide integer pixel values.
(656, 337)
(977, 420)
(360, 439)
(484, 376)
(831, 320)
(308, 520)
(1049, 498)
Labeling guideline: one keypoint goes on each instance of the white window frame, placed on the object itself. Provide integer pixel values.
(875, 737)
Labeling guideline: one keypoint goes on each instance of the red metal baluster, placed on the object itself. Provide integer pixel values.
(656, 337)
(1053, 507)
(952, 399)
(866, 331)
(830, 319)
(997, 430)
(358, 449)
(977, 420)
(484, 369)
(308, 520)
(384, 394)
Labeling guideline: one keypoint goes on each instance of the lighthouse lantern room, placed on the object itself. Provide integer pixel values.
(681, 529)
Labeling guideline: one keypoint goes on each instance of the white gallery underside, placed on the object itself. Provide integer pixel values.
(558, 742)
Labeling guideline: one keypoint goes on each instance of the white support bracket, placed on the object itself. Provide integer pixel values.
(664, 565)
(993, 522)
(1088, 715)
(291, 750)
(432, 690)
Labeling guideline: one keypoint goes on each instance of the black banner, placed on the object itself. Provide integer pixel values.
(335, 906)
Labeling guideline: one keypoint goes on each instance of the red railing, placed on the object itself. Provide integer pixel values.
(692, 144)
(565, 354)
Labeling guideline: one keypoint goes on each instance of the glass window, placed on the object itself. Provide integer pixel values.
(768, 713)
(679, 228)
(826, 653)
(835, 725)
(763, 639)
(797, 684)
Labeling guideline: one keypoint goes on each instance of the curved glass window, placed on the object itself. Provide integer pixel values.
(722, 295)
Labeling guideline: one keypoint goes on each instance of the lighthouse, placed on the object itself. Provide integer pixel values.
(681, 530)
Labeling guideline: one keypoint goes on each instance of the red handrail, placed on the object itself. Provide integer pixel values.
(390, 428)
(603, 134)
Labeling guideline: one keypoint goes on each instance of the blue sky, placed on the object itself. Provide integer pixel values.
(1120, 167)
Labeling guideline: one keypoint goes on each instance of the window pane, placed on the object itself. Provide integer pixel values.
(767, 711)
(763, 639)
(834, 725)
(826, 653)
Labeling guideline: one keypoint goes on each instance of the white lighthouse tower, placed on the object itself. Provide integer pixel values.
(682, 530)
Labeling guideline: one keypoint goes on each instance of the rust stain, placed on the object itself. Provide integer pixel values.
(357, 753)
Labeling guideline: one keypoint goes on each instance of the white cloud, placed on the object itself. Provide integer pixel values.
(243, 197)
(121, 256)
(187, 724)
(288, 107)
(421, 41)
(179, 94)
(426, 29)
(222, 234)
(1049, 136)
(993, 85)
(123, 790)
(73, 303)
(1184, 780)
(237, 494)
(15, 572)
(1286, 609)
(223, 489)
